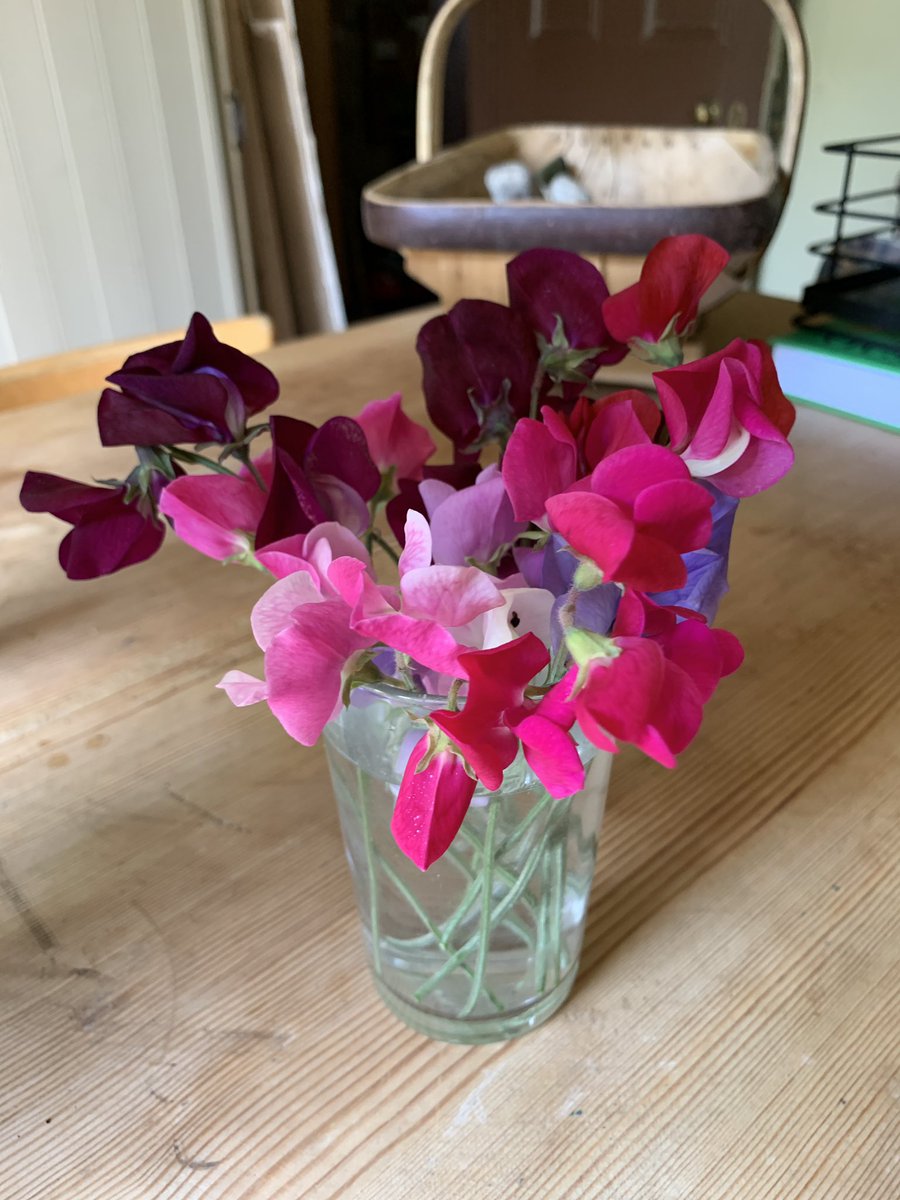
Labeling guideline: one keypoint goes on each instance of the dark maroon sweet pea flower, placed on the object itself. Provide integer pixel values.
(478, 367)
(560, 296)
(108, 533)
(195, 390)
(324, 474)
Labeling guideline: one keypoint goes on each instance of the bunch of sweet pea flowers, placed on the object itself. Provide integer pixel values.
(563, 568)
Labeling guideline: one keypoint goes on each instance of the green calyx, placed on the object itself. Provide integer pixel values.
(585, 646)
(587, 575)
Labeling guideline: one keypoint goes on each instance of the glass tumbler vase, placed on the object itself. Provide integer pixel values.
(484, 945)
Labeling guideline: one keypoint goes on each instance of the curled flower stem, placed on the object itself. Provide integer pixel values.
(373, 536)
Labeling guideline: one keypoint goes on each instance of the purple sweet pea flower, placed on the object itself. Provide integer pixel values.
(324, 474)
(707, 569)
(195, 390)
(549, 287)
(478, 365)
(108, 533)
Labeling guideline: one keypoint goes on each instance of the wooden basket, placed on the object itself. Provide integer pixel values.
(644, 184)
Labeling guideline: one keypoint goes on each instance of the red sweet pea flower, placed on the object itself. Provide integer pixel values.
(665, 300)
(497, 681)
(729, 419)
(643, 511)
(108, 532)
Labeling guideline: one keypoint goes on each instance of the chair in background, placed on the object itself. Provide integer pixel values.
(84, 370)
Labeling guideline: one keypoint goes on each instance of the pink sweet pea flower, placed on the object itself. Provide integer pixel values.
(729, 419)
(642, 513)
(395, 442)
(217, 514)
(419, 618)
(431, 804)
(665, 301)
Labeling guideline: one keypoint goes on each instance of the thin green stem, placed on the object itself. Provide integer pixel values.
(374, 536)
(189, 456)
(509, 900)
(371, 867)
(487, 896)
(434, 932)
(507, 877)
(556, 907)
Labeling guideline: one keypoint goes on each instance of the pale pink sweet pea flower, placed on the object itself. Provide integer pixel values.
(313, 551)
(421, 616)
(729, 419)
(394, 440)
(302, 625)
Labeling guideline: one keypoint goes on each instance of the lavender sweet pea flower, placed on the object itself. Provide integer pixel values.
(473, 524)
(195, 390)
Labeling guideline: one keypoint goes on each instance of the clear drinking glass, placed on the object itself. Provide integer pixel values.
(484, 945)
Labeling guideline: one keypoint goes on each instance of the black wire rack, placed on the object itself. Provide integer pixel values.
(860, 275)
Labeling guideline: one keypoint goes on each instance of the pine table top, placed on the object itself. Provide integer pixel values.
(184, 1007)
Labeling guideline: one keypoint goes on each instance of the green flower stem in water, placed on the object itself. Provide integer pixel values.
(371, 862)
(487, 895)
(434, 933)
(496, 916)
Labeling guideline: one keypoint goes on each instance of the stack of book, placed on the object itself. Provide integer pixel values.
(842, 367)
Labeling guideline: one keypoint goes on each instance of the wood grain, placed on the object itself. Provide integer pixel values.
(184, 1009)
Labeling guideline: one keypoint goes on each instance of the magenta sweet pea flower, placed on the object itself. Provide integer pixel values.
(431, 804)
(319, 475)
(395, 442)
(665, 301)
(729, 419)
(549, 748)
(108, 532)
(637, 695)
(217, 514)
(643, 511)
(194, 390)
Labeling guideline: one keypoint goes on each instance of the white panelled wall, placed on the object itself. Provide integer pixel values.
(114, 212)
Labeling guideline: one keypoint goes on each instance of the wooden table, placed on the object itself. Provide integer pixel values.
(184, 1009)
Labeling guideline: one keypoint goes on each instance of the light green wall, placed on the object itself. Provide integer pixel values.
(854, 92)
